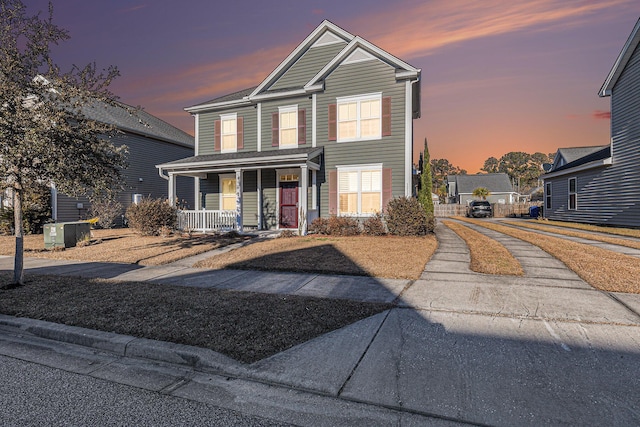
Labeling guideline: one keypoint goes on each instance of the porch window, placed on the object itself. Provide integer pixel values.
(229, 133)
(359, 117)
(573, 194)
(359, 190)
(228, 192)
(288, 127)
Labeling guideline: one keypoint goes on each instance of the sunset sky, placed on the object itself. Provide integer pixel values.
(497, 75)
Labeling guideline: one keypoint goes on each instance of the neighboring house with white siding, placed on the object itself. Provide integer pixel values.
(599, 185)
(150, 141)
(460, 188)
(328, 132)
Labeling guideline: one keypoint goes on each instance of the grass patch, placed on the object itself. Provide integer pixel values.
(487, 255)
(242, 325)
(123, 245)
(552, 229)
(629, 232)
(384, 256)
(602, 269)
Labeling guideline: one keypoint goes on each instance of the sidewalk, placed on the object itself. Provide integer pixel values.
(461, 347)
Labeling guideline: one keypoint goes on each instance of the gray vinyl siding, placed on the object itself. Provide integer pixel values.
(359, 79)
(210, 192)
(206, 123)
(270, 107)
(307, 66)
(610, 195)
(250, 199)
(269, 199)
(144, 154)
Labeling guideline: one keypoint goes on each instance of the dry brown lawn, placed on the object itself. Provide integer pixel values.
(605, 239)
(123, 245)
(487, 255)
(385, 256)
(602, 269)
(629, 232)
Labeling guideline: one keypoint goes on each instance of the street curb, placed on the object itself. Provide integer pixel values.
(126, 345)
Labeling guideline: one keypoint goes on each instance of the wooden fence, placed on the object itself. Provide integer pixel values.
(499, 210)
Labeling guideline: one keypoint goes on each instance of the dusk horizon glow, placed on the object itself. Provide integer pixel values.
(497, 76)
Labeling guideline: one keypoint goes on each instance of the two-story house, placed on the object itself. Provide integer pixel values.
(328, 132)
(599, 184)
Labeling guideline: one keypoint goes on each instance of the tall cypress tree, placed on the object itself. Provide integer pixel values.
(424, 195)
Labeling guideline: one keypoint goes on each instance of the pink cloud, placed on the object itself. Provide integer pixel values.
(133, 8)
(601, 115)
(439, 23)
(317, 12)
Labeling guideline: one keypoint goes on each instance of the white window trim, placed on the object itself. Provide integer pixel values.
(569, 193)
(224, 117)
(220, 178)
(287, 109)
(358, 168)
(358, 99)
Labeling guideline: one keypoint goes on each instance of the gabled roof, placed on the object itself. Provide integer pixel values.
(570, 154)
(494, 182)
(599, 157)
(130, 119)
(622, 60)
(316, 84)
(300, 49)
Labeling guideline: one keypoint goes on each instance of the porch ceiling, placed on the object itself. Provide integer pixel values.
(294, 157)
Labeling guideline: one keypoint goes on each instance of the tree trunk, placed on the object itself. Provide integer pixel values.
(18, 267)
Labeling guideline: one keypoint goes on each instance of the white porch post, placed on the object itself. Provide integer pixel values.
(196, 194)
(302, 209)
(260, 217)
(172, 189)
(239, 200)
(314, 189)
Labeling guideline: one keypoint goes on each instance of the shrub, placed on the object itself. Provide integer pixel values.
(319, 226)
(286, 234)
(405, 216)
(150, 216)
(106, 210)
(343, 226)
(374, 226)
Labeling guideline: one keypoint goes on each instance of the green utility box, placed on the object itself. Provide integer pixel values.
(65, 234)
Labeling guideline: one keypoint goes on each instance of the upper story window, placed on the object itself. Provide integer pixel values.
(360, 118)
(288, 126)
(228, 133)
(363, 117)
(573, 193)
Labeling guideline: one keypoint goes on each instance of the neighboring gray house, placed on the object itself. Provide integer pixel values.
(599, 185)
(328, 132)
(460, 188)
(150, 141)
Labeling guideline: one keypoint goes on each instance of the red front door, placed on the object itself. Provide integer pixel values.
(288, 205)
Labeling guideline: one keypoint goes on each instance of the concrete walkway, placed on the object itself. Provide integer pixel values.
(461, 347)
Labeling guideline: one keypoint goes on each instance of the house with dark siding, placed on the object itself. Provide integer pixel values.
(150, 141)
(599, 185)
(328, 132)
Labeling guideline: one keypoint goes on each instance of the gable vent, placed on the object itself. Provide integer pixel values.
(358, 55)
(327, 38)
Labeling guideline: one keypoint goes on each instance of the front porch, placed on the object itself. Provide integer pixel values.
(277, 189)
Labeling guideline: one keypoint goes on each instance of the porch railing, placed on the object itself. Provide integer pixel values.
(204, 220)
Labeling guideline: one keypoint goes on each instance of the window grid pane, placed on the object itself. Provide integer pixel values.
(229, 129)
